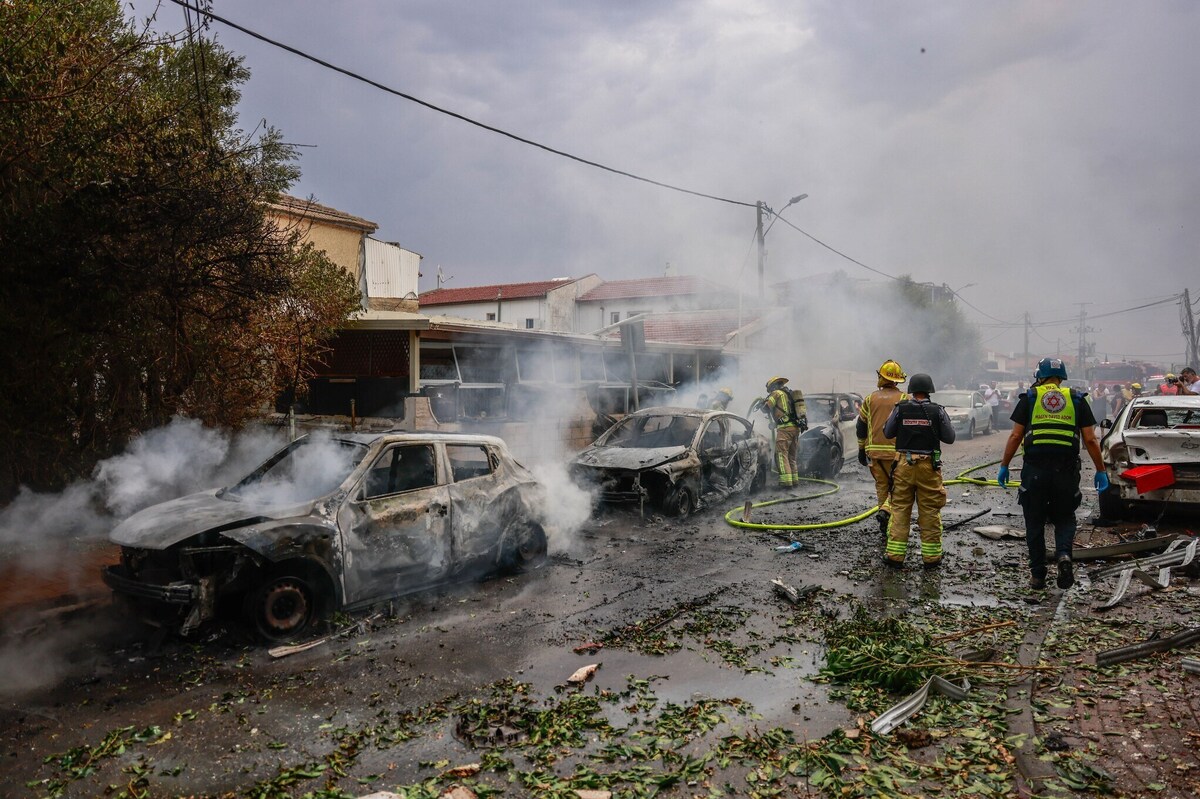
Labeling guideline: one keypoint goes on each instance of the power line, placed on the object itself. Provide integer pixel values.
(1172, 299)
(449, 113)
(834, 249)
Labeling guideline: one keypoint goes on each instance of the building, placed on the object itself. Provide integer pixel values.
(614, 301)
(538, 305)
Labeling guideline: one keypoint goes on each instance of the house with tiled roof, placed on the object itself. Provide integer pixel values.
(616, 300)
(536, 305)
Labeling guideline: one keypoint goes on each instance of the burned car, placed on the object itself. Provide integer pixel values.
(1151, 453)
(831, 421)
(330, 523)
(678, 459)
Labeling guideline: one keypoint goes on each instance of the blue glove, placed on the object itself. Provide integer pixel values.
(1002, 477)
(1101, 482)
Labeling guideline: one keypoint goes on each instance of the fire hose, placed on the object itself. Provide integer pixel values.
(960, 479)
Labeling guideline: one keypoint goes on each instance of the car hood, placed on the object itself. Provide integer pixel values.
(627, 457)
(166, 524)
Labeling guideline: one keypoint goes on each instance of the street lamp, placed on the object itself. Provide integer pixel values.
(761, 234)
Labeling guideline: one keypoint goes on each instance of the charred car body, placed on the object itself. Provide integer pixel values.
(1151, 454)
(331, 523)
(678, 459)
(831, 420)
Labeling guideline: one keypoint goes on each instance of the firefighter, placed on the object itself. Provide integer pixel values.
(721, 399)
(1169, 386)
(1135, 390)
(1050, 422)
(782, 409)
(919, 427)
(875, 450)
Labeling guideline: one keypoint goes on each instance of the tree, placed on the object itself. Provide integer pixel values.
(140, 274)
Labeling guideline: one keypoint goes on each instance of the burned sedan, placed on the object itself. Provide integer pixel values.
(1151, 453)
(330, 523)
(678, 459)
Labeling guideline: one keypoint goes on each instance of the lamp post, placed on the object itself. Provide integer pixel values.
(760, 234)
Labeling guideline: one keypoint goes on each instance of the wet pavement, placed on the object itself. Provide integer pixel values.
(705, 686)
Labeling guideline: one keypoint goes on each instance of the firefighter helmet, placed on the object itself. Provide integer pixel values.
(1170, 376)
(890, 370)
(780, 380)
(726, 391)
(1050, 367)
(1135, 387)
(921, 384)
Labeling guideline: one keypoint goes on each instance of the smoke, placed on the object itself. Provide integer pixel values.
(311, 469)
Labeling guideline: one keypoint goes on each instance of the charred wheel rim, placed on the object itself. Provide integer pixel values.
(285, 606)
(681, 503)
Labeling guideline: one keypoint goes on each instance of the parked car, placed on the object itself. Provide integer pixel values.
(678, 459)
(1152, 431)
(967, 411)
(331, 523)
(831, 431)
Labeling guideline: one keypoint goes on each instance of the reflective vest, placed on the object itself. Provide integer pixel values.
(874, 412)
(1052, 418)
(783, 408)
(918, 429)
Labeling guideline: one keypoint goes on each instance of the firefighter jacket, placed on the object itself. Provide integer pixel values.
(918, 426)
(783, 408)
(1052, 420)
(872, 415)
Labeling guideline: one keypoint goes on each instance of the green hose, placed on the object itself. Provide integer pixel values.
(960, 479)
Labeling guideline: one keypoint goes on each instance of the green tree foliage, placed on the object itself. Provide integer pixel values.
(140, 273)
(937, 337)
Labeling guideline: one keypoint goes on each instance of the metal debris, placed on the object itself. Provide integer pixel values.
(998, 531)
(1191, 665)
(793, 594)
(902, 711)
(1150, 646)
(1127, 548)
(583, 674)
(963, 521)
(1168, 558)
(1174, 556)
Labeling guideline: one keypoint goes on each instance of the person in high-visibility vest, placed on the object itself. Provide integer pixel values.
(782, 408)
(1050, 421)
(875, 450)
(920, 427)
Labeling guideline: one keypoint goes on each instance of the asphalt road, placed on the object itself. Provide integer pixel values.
(89, 702)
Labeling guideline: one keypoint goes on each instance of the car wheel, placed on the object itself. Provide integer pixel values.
(526, 547)
(835, 464)
(760, 477)
(680, 502)
(284, 605)
(1111, 506)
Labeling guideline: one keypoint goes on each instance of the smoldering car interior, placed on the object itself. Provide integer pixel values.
(330, 523)
(674, 459)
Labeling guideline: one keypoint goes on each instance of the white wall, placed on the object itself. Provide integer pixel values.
(513, 312)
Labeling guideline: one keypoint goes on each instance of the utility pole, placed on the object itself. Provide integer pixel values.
(1189, 330)
(1082, 329)
(1025, 354)
(762, 253)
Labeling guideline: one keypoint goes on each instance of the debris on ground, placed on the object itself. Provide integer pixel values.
(997, 532)
(583, 674)
(906, 708)
(793, 594)
(1150, 646)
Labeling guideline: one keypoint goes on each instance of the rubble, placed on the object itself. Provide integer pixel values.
(906, 708)
(1150, 646)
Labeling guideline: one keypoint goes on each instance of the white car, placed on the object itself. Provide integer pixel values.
(967, 411)
(1152, 432)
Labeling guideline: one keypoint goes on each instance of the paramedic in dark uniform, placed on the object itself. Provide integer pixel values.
(1050, 421)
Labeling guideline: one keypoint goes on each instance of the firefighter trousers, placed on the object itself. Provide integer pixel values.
(881, 471)
(916, 479)
(787, 442)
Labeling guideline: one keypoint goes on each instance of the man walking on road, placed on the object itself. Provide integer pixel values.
(1050, 422)
(919, 427)
(875, 450)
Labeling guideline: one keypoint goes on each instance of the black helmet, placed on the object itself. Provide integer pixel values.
(920, 383)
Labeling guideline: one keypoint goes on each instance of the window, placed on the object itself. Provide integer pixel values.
(614, 317)
(468, 461)
(482, 364)
(536, 364)
(490, 317)
(714, 437)
(400, 469)
(739, 431)
(437, 362)
(591, 366)
(528, 323)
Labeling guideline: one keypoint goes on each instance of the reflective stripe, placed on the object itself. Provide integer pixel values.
(931, 549)
(896, 547)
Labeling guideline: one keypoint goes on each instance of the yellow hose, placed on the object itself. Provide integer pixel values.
(959, 479)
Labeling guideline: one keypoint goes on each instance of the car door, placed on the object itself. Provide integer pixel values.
(396, 525)
(847, 417)
(718, 461)
(981, 412)
(483, 505)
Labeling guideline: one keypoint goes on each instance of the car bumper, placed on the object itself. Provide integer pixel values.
(180, 593)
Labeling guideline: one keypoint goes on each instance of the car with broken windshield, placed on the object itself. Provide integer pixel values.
(331, 522)
(1151, 453)
(674, 459)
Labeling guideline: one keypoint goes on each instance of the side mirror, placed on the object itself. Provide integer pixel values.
(1106, 423)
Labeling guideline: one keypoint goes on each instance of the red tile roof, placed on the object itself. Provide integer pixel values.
(701, 328)
(650, 287)
(507, 291)
(307, 209)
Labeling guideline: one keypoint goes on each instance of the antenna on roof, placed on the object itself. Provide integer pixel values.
(441, 278)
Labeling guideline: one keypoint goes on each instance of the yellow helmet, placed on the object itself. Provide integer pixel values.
(726, 391)
(780, 380)
(890, 370)
(1136, 386)
(1170, 375)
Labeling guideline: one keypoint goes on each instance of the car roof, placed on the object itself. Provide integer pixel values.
(1185, 401)
(672, 410)
(419, 436)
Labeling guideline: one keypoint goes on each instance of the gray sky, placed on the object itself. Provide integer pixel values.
(1044, 151)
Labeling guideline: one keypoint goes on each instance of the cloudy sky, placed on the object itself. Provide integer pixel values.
(1045, 152)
